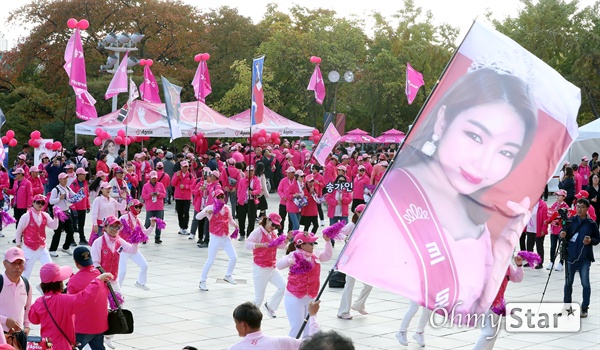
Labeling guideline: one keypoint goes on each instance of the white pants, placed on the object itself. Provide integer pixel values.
(488, 336)
(31, 256)
(346, 301)
(262, 277)
(410, 313)
(296, 310)
(214, 244)
(137, 258)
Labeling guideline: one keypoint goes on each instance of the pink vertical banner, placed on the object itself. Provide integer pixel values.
(317, 85)
(84, 105)
(149, 88)
(414, 80)
(326, 144)
(201, 81)
(75, 62)
(118, 84)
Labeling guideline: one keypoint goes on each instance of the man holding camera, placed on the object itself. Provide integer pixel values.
(580, 235)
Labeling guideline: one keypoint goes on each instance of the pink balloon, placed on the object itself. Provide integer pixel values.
(206, 56)
(98, 131)
(35, 134)
(317, 138)
(121, 133)
(274, 135)
(254, 143)
(127, 141)
(200, 134)
(12, 142)
(56, 145)
(30, 142)
(4, 139)
(146, 138)
(105, 135)
(263, 132)
(10, 134)
(277, 141)
(198, 57)
(83, 24)
(36, 143)
(118, 140)
(315, 132)
(97, 141)
(72, 23)
(261, 140)
(194, 138)
(149, 62)
(238, 157)
(48, 145)
(315, 59)
(311, 137)
(142, 62)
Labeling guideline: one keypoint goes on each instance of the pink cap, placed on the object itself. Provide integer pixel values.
(62, 176)
(39, 197)
(382, 156)
(275, 218)
(360, 208)
(345, 156)
(299, 173)
(218, 193)
(384, 163)
(215, 173)
(105, 184)
(184, 163)
(134, 203)
(289, 155)
(34, 169)
(111, 220)
(190, 155)
(310, 178)
(18, 171)
(285, 151)
(341, 167)
(566, 163)
(291, 170)
(142, 154)
(582, 194)
(304, 237)
(361, 167)
(100, 173)
(81, 151)
(70, 166)
(81, 171)
(561, 193)
(22, 157)
(153, 174)
(159, 165)
(584, 158)
(359, 158)
(113, 165)
(51, 272)
(14, 254)
(231, 161)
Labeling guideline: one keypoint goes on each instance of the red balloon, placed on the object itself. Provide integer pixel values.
(10, 134)
(4, 139)
(35, 134)
(48, 145)
(315, 59)
(277, 141)
(274, 135)
(98, 131)
(142, 62)
(198, 57)
(194, 138)
(56, 145)
(317, 138)
(315, 132)
(118, 140)
(127, 141)
(105, 135)
(12, 142)
(83, 24)
(72, 23)
(121, 133)
(254, 143)
(200, 134)
(98, 141)
(36, 143)
(263, 132)
(260, 140)
(149, 62)
(206, 56)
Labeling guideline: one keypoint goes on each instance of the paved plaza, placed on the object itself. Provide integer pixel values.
(175, 313)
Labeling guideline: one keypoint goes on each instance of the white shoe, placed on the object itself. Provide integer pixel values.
(191, 236)
(54, 254)
(2, 235)
(141, 286)
(203, 286)
(549, 266)
(401, 336)
(229, 279)
(559, 267)
(322, 222)
(68, 251)
(108, 342)
(185, 232)
(269, 311)
(182, 231)
(419, 338)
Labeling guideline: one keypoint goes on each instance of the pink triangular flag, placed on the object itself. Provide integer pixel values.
(149, 88)
(201, 82)
(75, 62)
(118, 83)
(317, 85)
(84, 108)
(414, 80)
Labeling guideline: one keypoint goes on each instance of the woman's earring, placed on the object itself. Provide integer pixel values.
(429, 147)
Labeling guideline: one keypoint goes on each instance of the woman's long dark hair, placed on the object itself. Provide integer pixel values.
(96, 183)
(260, 169)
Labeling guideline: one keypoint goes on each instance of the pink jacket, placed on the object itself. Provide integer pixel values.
(163, 178)
(233, 173)
(359, 185)
(332, 203)
(83, 204)
(242, 190)
(22, 193)
(282, 190)
(183, 192)
(160, 194)
(292, 190)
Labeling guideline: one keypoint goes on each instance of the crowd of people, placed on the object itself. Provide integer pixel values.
(225, 187)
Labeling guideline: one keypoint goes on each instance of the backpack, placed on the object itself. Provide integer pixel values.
(24, 280)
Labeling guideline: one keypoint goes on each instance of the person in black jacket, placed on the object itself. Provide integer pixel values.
(580, 235)
(568, 184)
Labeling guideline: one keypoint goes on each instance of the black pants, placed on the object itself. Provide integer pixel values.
(307, 220)
(79, 223)
(356, 202)
(66, 226)
(283, 214)
(539, 247)
(183, 212)
(18, 213)
(527, 241)
(248, 210)
(554, 239)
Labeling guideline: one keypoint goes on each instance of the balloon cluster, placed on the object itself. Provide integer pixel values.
(9, 139)
(36, 139)
(316, 136)
(73, 23)
(263, 138)
(53, 146)
(202, 57)
(101, 135)
(146, 62)
(315, 59)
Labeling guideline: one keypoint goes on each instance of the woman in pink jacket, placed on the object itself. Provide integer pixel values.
(183, 182)
(55, 310)
(4, 185)
(281, 190)
(247, 202)
(304, 278)
(294, 193)
(360, 181)
(310, 213)
(338, 202)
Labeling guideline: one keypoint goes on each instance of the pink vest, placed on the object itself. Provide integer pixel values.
(219, 223)
(305, 284)
(34, 236)
(109, 258)
(265, 257)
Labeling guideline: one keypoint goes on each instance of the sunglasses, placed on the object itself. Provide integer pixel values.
(39, 202)
(361, 170)
(138, 206)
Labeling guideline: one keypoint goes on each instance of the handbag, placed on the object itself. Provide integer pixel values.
(74, 345)
(18, 339)
(38, 343)
(120, 321)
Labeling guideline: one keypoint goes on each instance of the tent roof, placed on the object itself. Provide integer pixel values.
(149, 119)
(273, 122)
(589, 131)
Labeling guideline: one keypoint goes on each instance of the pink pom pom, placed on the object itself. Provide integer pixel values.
(333, 231)
(300, 265)
(198, 57)
(235, 233)
(60, 214)
(143, 62)
(83, 24)
(137, 236)
(126, 230)
(160, 224)
(218, 206)
(532, 258)
(72, 23)
(7, 219)
(115, 305)
(93, 237)
(499, 308)
(277, 241)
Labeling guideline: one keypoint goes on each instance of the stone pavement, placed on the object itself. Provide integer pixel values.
(175, 313)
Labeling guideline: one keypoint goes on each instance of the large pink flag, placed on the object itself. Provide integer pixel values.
(443, 224)
(201, 82)
(149, 88)
(414, 80)
(317, 85)
(326, 144)
(75, 62)
(118, 84)
(84, 105)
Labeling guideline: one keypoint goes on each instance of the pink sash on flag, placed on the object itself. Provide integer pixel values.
(438, 275)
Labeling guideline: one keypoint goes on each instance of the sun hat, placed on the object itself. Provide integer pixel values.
(51, 272)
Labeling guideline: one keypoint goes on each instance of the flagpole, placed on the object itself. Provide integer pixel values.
(334, 268)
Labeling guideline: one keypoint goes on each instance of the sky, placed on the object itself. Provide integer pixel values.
(458, 13)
